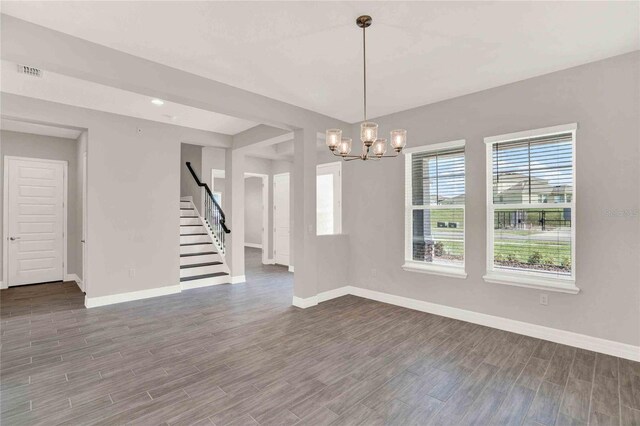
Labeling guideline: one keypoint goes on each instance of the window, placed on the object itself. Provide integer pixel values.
(531, 209)
(435, 215)
(329, 199)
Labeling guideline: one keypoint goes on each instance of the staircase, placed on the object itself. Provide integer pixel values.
(202, 242)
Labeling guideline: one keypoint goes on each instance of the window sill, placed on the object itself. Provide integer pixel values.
(539, 283)
(445, 271)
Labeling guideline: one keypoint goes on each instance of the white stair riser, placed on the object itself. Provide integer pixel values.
(190, 260)
(190, 221)
(192, 230)
(185, 204)
(205, 282)
(187, 239)
(202, 270)
(187, 213)
(197, 249)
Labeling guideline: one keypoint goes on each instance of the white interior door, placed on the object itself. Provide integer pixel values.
(281, 218)
(35, 194)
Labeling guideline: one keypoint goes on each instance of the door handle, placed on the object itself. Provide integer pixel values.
(82, 241)
(14, 238)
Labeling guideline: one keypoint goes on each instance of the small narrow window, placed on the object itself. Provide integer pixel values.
(329, 199)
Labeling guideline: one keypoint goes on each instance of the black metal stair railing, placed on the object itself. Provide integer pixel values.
(213, 214)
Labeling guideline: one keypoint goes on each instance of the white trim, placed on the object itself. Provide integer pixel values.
(291, 268)
(527, 278)
(76, 278)
(94, 302)
(253, 245)
(526, 134)
(5, 211)
(320, 297)
(435, 147)
(238, 279)
(435, 269)
(299, 302)
(217, 173)
(583, 341)
(204, 282)
(333, 294)
(2, 286)
(269, 262)
(532, 281)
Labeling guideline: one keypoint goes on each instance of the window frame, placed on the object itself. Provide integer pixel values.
(423, 267)
(335, 169)
(529, 279)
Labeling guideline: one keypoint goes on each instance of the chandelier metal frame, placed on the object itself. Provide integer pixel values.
(372, 147)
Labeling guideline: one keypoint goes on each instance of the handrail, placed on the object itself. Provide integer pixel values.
(208, 191)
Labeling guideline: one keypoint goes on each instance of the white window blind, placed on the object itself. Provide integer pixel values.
(531, 210)
(435, 188)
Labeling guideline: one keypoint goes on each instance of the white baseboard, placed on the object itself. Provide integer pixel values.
(321, 297)
(269, 262)
(2, 286)
(291, 268)
(204, 282)
(578, 340)
(238, 279)
(299, 302)
(253, 245)
(73, 277)
(94, 302)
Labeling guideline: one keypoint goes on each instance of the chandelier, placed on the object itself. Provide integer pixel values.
(373, 148)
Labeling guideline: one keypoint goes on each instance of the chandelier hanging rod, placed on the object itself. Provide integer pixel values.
(341, 147)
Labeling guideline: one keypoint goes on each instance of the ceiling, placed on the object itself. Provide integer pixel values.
(309, 53)
(72, 91)
(39, 129)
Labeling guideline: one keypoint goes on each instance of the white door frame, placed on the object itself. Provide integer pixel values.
(83, 242)
(265, 213)
(274, 217)
(5, 214)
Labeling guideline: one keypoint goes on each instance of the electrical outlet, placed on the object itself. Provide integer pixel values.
(544, 299)
(132, 272)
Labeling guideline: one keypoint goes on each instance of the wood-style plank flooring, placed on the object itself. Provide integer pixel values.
(243, 355)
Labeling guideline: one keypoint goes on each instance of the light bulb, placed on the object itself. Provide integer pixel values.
(333, 139)
(368, 132)
(379, 147)
(345, 146)
(398, 139)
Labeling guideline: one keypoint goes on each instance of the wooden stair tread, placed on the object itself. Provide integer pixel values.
(197, 265)
(199, 277)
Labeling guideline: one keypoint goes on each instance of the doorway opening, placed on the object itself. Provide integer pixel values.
(256, 213)
(44, 203)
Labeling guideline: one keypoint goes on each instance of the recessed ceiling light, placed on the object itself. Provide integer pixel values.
(157, 102)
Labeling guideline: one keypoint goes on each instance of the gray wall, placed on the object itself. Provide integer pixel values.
(214, 158)
(133, 193)
(188, 186)
(603, 98)
(50, 148)
(253, 210)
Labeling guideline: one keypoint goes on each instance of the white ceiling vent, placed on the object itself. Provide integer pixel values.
(32, 71)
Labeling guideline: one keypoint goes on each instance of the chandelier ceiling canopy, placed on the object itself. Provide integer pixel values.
(373, 148)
